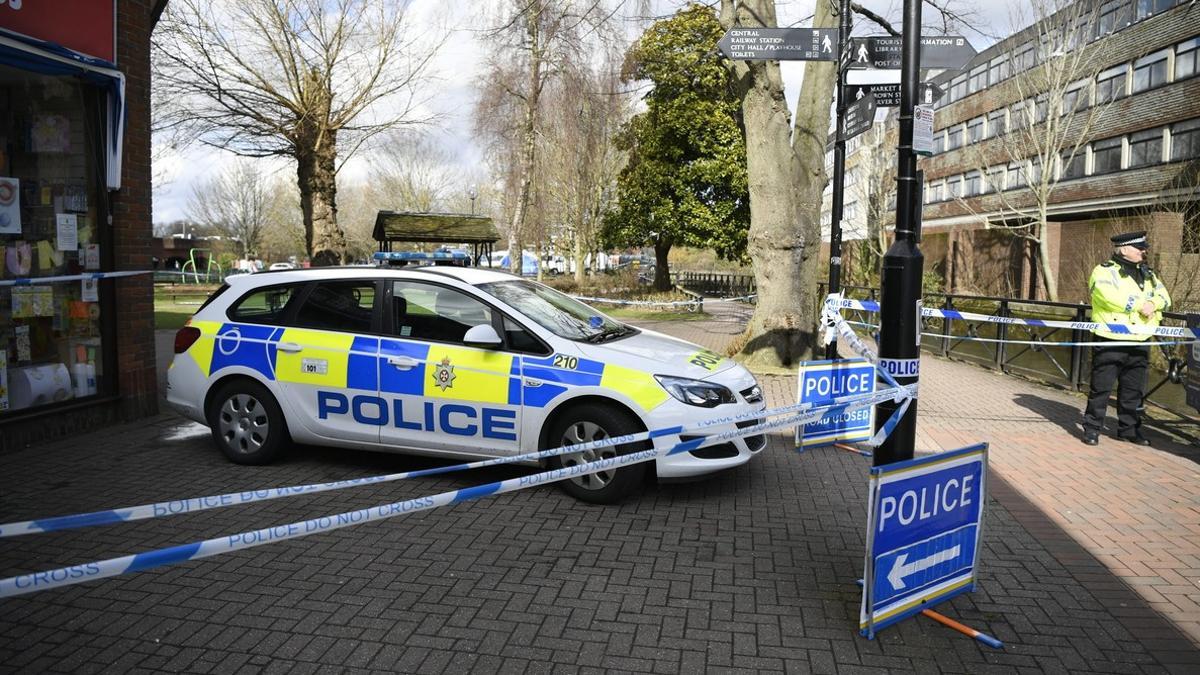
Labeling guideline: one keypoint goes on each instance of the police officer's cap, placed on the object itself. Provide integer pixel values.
(1134, 239)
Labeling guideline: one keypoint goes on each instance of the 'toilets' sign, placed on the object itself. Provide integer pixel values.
(925, 519)
(823, 381)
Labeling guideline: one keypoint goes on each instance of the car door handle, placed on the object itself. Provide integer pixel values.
(403, 362)
(290, 347)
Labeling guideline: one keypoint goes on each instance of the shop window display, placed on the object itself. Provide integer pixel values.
(51, 225)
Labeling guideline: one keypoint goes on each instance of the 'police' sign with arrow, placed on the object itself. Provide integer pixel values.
(937, 51)
(925, 519)
(783, 44)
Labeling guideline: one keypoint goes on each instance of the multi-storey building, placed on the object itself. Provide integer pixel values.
(1134, 164)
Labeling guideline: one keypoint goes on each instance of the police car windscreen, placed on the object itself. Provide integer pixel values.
(560, 314)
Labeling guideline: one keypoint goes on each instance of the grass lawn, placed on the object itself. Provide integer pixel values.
(636, 314)
(171, 315)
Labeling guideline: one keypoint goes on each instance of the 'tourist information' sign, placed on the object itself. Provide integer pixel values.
(924, 524)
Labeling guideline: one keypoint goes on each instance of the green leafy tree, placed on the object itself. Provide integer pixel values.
(685, 182)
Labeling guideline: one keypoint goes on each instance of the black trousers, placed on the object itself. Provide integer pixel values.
(1125, 367)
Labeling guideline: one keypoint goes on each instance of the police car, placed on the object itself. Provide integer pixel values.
(450, 362)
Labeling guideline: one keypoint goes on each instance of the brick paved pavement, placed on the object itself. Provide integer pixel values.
(1082, 571)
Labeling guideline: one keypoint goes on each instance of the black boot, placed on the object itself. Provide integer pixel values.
(1091, 437)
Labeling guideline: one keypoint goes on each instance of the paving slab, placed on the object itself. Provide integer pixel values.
(1088, 564)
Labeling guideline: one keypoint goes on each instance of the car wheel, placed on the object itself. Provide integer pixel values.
(596, 423)
(247, 424)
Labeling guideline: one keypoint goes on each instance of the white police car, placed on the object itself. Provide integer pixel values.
(446, 361)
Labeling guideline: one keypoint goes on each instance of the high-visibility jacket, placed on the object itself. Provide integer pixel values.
(1116, 298)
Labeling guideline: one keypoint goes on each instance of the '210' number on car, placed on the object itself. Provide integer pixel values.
(705, 360)
(564, 361)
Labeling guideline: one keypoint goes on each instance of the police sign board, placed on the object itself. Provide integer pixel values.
(924, 524)
(823, 381)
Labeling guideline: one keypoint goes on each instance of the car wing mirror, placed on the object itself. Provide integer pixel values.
(483, 336)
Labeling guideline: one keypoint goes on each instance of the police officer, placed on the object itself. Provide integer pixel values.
(1124, 291)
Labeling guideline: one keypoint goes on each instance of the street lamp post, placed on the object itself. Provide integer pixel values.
(472, 194)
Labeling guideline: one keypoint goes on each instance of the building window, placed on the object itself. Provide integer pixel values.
(1015, 177)
(1018, 116)
(978, 78)
(995, 179)
(952, 187)
(1106, 156)
(1185, 58)
(939, 142)
(1040, 108)
(933, 192)
(1073, 167)
(1150, 71)
(1145, 147)
(1185, 140)
(1111, 18)
(997, 70)
(1022, 58)
(972, 184)
(1147, 8)
(954, 137)
(975, 130)
(958, 87)
(1075, 98)
(1110, 84)
(996, 123)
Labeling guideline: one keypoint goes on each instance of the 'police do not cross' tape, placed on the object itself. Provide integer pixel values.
(74, 574)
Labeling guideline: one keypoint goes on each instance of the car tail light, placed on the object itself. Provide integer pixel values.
(185, 338)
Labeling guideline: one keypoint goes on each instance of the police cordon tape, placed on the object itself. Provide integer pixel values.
(1121, 329)
(33, 281)
(74, 574)
(652, 303)
(1043, 343)
(196, 504)
(831, 319)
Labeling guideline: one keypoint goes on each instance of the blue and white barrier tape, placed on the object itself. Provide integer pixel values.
(1119, 328)
(74, 574)
(196, 504)
(1043, 343)
(652, 303)
(832, 319)
(34, 281)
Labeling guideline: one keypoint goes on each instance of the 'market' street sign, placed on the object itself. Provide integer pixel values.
(860, 115)
(784, 44)
(888, 95)
(937, 51)
(925, 520)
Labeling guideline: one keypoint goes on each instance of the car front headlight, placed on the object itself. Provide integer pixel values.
(696, 392)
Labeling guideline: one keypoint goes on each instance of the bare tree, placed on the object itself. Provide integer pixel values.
(411, 172)
(872, 182)
(785, 161)
(307, 79)
(1045, 135)
(236, 204)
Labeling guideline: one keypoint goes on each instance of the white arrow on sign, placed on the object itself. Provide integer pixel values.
(900, 570)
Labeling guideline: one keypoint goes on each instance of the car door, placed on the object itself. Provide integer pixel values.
(327, 361)
(443, 394)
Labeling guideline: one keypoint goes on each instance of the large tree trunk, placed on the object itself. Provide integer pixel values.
(316, 171)
(1043, 253)
(662, 270)
(785, 185)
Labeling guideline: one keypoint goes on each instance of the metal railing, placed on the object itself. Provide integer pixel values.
(719, 284)
(1025, 350)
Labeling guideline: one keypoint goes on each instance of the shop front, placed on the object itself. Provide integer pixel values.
(74, 217)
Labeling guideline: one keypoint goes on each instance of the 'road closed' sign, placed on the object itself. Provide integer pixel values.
(924, 518)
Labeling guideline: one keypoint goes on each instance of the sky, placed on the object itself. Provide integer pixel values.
(457, 68)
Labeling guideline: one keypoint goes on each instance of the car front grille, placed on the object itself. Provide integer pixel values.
(756, 442)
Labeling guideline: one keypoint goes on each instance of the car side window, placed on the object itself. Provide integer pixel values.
(345, 306)
(520, 340)
(430, 312)
(263, 305)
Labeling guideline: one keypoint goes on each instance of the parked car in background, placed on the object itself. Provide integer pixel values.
(275, 267)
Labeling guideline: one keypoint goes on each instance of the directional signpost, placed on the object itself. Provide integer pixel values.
(860, 115)
(924, 523)
(787, 44)
(937, 51)
(888, 95)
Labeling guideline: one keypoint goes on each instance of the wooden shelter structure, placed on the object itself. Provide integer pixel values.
(393, 227)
